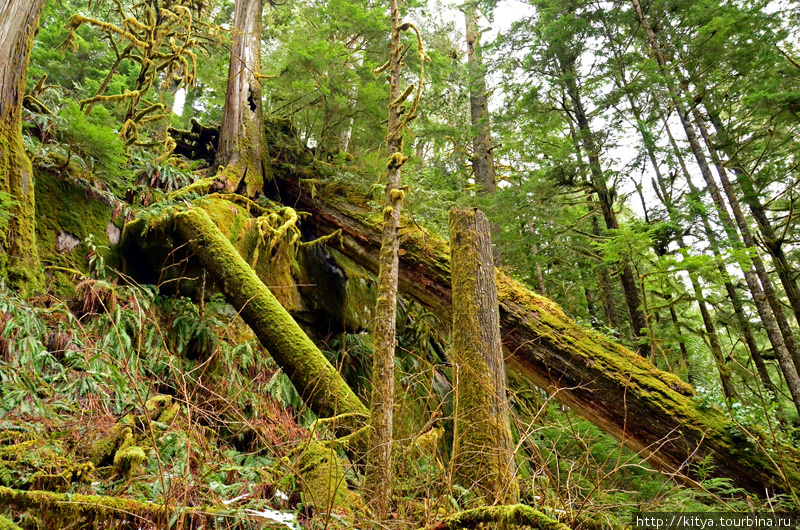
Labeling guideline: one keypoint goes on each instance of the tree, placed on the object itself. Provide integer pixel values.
(482, 157)
(19, 256)
(242, 146)
(483, 454)
(379, 460)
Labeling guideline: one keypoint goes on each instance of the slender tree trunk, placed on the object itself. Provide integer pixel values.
(784, 355)
(242, 147)
(620, 392)
(604, 281)
(750, 243)
(605, 202)
(483, 449)
(738, 309)
(482, 157)
(19, 255)
(379, 460)
(772, 241)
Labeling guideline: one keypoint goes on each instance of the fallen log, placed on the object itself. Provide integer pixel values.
(650, 411)
(319, 384)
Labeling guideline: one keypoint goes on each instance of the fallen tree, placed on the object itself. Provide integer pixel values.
(650, 411)
(316, 380)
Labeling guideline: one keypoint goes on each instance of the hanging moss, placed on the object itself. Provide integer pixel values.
(316, 380)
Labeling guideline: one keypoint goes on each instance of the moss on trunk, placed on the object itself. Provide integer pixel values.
(483, 454)
(316, 380)
(503, 517)
(650, 411)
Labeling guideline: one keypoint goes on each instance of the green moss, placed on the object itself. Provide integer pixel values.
(63, 510)
(169, 413)
(129, 459)
(503, 517)
(315, 378)
(64, 206)
(104, 448)
(7, 524)
(321, 478)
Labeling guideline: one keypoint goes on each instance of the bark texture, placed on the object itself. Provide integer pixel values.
(483, 449)
(19, 257)
(378, 475)
(648, 410)
(316, 380)
(482, 157)
(242, 146)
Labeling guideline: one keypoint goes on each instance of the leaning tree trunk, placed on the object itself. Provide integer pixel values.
(650, 411)
(483, 450)
(784, 345)
(482, 157)
(605, 202)
(319, 384)
(736, 302)
(772, 241)
(19, 256)
(242, 146)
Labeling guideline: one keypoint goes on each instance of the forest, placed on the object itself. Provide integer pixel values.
(398, 264)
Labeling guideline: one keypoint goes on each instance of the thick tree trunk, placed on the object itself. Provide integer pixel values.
(650, 411)
(242, 146)
(19, 256)
(316, 380)
(483, 449)
(785, 348)
(482, 157)
(378, 475)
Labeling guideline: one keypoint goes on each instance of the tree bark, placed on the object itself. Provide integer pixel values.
(242, 145)
(650, 411)
(783, 347)
(19, 256)
(605, 203)
(482, 157)
(378, 475)
(483, 449)
(316, 380)
(738, 309)
(772, 241)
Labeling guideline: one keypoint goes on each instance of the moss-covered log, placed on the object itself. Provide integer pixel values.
(650, 411)
(316, 380)
(502, 517)
(483, 449)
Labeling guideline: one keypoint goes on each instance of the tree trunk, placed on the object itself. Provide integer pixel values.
(738, 309)
(242, 145)
(19, 256)
(604, 283)
(771, 240)
(482, 157)
(316, 380)
(483, 449)
(378, 475)
(620, 392)
(786, 357)
(606, 204)
(750, 243)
